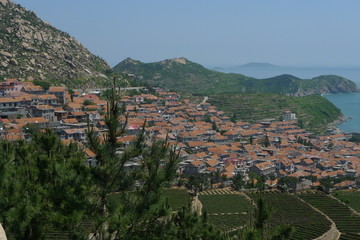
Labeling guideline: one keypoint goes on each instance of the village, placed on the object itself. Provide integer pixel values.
(209, 141)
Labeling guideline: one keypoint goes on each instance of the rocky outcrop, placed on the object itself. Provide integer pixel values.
(32, 49)
(2, 232)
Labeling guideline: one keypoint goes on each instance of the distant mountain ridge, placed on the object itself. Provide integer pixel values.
(32, 49)
(180, 74)
(258, 64)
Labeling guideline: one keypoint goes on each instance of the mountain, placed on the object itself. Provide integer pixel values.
(32, 49)
(183, 75)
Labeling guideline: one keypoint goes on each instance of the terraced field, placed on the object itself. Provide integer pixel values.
(346, 221)
(288, 209)
(226, 210)
(255, 107)
(350, 197)
(177, 198)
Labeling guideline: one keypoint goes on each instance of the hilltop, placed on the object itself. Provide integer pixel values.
(32, 49)
(182, 75)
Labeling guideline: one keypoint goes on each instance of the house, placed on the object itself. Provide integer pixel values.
(32, 89)
(263, 168)
(10, 108)
(288, 116)
(285, 165)
(78, 134)
(45, 99)
(90, 156)
(59, 92)
(45, 111)
(345, 184)
(324, 166)
(38, 121)
(194, 167)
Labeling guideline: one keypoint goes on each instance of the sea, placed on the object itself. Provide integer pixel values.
(348, 103)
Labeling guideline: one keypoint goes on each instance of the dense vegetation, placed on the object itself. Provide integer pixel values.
(346, 221)
(313, 111)
(185, 76)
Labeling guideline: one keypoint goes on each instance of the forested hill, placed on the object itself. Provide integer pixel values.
(32, 49)
(182, 75)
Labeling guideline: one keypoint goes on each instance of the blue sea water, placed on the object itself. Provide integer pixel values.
(348, 103)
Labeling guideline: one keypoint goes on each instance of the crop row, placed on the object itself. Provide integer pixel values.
(235, 206)
(224, 203)
(351, 197)
(286, 208)
(346, 221)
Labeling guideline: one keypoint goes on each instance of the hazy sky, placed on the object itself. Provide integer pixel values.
(222, 32)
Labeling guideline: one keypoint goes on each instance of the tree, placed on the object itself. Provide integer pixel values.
(265, 141)
(44, 184)
(288, 182)
(44, 84)
(189, 226)
(88, 102)
(207, 118)
(214, 126)
(237, 181)
(233, 118)
(326, 183)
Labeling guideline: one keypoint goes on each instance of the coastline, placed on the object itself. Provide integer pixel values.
(333, 126)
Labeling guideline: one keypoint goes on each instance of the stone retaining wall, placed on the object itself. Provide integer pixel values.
(332, 234)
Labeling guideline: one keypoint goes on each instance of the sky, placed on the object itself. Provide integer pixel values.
(211, 32)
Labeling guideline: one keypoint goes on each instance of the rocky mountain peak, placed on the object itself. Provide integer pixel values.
(32, 49)
(180, 60)
(4, 2)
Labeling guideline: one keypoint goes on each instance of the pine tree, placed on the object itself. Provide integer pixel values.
(43, 185)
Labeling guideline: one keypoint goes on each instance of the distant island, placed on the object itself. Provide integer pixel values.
(258, 64)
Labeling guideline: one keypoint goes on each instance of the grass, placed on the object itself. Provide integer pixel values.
(350, 198)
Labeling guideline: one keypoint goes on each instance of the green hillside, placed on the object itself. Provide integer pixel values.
(182, 75)
(314, 111)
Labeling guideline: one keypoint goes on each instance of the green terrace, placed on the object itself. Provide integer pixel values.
(349, 197)
(288, 209)
(225, 209)
(347, 222)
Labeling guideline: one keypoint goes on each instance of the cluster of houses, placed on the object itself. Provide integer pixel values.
(207, 139)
